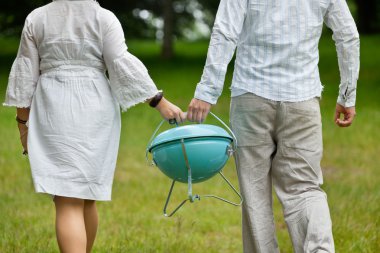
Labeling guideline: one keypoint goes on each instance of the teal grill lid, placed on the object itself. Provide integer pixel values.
(189, 132)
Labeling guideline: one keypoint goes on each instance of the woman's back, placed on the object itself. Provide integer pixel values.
(70, 33)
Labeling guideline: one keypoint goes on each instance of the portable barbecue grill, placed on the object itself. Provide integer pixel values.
(192, 154)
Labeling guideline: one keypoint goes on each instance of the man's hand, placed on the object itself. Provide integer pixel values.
(348, 115)
(170, 111)
(198, 110)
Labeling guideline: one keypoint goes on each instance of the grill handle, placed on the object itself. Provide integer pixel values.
(174, 122)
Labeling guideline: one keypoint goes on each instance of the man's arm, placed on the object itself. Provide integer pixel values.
(346, 37)
(227, 28)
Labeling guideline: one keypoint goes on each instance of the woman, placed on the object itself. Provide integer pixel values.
(74, 116)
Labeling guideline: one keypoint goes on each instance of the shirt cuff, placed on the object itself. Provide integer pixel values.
(345, 101)
(206, 93)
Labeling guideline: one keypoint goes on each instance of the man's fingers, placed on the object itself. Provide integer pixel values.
(337, 116)
(199, 116)
(204, 114)
(195, 115)
(348, 115)
(344, 123)
(349, 118)
(198, 110)
(347, 121)
(191, 111)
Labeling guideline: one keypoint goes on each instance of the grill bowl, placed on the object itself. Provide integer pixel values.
(206, 148)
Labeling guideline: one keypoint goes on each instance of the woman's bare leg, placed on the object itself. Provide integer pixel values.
(70, 225)
(90, 222)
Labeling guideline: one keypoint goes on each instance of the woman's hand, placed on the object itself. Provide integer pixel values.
(23, 129)
(170, 111)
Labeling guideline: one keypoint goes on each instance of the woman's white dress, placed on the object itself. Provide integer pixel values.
(74, 124)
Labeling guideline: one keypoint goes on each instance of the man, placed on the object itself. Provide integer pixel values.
(275, 110)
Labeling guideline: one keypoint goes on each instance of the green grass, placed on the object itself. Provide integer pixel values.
(133, 221)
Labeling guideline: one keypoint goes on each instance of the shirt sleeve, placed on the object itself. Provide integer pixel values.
(25, 71)
(227, 28)
(346, 37)
(129, 78)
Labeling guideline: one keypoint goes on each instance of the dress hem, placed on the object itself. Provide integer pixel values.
(71, 196)
(63, 188)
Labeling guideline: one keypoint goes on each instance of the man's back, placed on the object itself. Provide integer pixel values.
(277, 48)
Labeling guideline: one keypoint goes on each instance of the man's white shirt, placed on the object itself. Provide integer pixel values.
(276, 46)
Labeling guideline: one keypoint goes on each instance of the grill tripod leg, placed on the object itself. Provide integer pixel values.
(225, 200)
(192, 197)
(168, 199)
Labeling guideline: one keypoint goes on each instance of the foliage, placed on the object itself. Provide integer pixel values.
(141, 26)
(368, 14)
(149, 25)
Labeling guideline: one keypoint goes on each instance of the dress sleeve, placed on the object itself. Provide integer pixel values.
(129, 78)
(25, 71)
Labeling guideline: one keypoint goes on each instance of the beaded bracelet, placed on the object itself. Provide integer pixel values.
(20, 120)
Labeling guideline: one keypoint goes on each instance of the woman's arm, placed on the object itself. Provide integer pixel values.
(23, 79)
(129, 78)
(23, 113)
(22, 117)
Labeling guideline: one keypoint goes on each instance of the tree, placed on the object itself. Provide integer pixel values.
(168, 16)
(368, 16)
(12, 17)
(176, 15)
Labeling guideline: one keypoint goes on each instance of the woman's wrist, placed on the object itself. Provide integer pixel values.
(156, 99)
(21, 121)
(22, 116)
(161, 104)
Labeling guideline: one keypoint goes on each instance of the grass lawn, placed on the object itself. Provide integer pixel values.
(133, 221)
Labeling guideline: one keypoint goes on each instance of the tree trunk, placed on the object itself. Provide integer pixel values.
(368, 16)
(167, 46)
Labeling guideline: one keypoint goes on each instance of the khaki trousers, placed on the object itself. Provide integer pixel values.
(280, 144)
